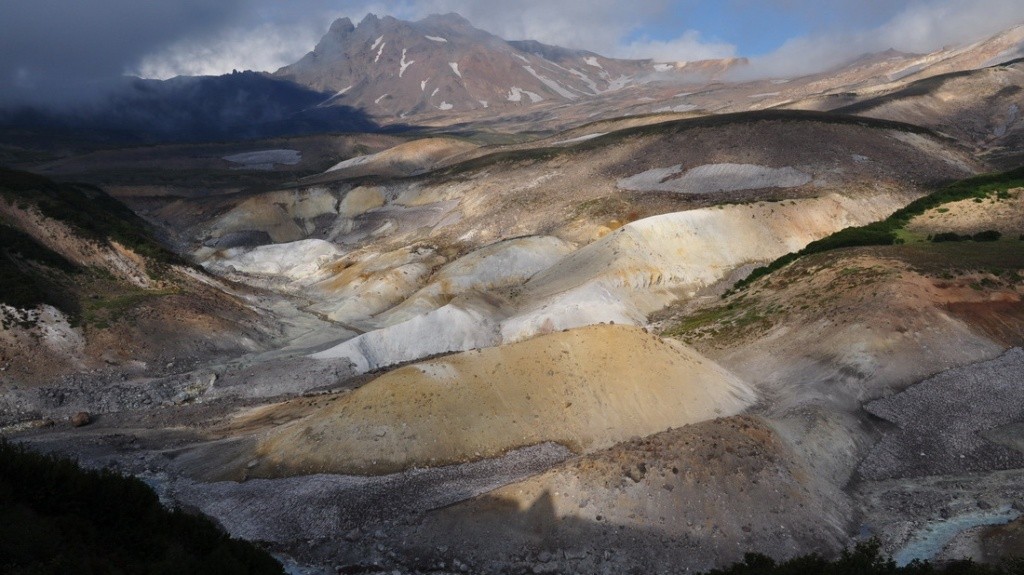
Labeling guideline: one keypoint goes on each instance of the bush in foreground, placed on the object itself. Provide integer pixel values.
(58, 518)
(864, 559)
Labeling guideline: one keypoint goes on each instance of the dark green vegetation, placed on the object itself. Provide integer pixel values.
(864, 559)
(885, 232)
(34, 274)
(57, 518)
(86, 208)
(23, 263)
(985, 236)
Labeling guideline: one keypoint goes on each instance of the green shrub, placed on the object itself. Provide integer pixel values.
(88, 209)
(57, 518)
(883, 233)
(23, 262)
(987, 236)
(950, 237)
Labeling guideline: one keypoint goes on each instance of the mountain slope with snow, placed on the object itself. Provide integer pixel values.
(390, 67)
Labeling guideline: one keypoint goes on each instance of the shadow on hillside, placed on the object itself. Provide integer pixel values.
(237, 106)
(498, 531)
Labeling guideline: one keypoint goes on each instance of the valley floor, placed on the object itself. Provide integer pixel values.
(546, 360)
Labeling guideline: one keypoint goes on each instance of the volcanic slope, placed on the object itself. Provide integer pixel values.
(862, 321)
(981, 108)
(688, 498)
(86, 287)
(586, 389)
(443, 67)
(618, 250)
(832, 331)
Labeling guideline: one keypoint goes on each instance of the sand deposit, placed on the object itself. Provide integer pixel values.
(587, 389)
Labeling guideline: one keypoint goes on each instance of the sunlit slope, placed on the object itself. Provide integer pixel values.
(849, 324)
(587, 389)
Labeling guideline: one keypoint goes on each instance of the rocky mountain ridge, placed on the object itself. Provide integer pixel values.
(391, 67)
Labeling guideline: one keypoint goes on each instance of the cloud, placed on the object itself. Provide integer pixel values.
(56, 50)
(688, 47)
(267, 47)
(597, 25)
(602, 26)
(920, 27)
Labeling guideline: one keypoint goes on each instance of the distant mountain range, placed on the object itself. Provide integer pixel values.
(442, 63)
(383, 68)
(389, 74)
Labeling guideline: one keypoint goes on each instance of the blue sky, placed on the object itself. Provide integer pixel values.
(754, 30)
(48, 46)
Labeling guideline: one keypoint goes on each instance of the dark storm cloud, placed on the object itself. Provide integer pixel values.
(62, 50)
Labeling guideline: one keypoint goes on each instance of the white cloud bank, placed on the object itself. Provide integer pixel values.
(921, 27)
(267, 47)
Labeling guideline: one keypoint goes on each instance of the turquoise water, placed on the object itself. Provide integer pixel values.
(930, 539)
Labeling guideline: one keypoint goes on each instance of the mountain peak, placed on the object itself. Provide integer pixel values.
(442, 63)
(340, 27)
(370, 19)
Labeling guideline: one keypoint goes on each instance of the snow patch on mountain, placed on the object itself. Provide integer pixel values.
(455, 68)
(618, 83)
(594, 89)
(515, 94)
(436, 39)
(555, 86)
(679, 108)
(404, 64)
(379, 52)
(592, 61)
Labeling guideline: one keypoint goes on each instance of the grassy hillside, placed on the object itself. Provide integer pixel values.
(887, 231)
(35, 274)
(87, 209)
